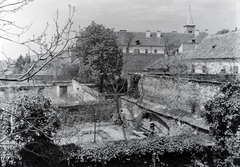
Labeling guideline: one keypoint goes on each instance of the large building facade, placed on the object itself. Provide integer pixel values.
(157, 42)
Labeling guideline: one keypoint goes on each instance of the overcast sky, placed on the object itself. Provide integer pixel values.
(130, 15)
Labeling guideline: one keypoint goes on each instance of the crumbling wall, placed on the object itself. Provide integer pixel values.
(134, 110)
(177, 93)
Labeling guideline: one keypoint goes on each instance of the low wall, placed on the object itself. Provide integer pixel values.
(177, 121)
(84, 92)
(177, 93)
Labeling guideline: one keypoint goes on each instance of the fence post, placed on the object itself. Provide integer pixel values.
(154, 159)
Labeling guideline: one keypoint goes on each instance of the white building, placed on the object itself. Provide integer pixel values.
(155, 42)
(217, 54)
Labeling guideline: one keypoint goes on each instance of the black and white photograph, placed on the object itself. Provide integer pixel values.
(120, 83)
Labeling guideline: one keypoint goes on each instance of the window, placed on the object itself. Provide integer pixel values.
(193, 68)
(204, 69)
(146, 50)
(223, 71)
(155, 51)
(137, 51)
(190, 32)
(235, 70)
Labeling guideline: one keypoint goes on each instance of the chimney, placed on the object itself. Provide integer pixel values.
(148, 33)
(197, 32)
(158, 34)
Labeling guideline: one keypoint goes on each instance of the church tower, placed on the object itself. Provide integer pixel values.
(189, 26)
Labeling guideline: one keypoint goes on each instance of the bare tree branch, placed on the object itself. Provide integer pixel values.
(61, 42)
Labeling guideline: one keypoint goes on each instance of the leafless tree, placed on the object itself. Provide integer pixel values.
(129, 36)
(44, 47)
(8, 7)
(48, 48)
(170, 44)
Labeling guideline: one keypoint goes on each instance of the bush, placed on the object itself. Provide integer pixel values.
(32, 125)
(166, 151)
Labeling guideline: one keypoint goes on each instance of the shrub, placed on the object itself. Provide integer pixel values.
(166, 151)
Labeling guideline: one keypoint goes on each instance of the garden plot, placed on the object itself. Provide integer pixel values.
(83, 134)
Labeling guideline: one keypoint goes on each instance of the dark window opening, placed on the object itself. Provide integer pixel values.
(146, 50)
(138, 42)
(204, 69)
(235, 69)
(137, 51)
(214, 46)
(63, 91)
(155, 51)
(223, 71)
(193, 68)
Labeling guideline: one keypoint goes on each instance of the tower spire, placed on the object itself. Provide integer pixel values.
(189, 26)
(189, 18)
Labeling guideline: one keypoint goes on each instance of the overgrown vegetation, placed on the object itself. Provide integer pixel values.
(164, 151)
(99, 52)
(31, 127)
(183, 150)
(222, 114)
(176, 93)
(85, 113)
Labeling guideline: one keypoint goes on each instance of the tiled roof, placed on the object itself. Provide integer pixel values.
(153, 40)
(218, 47)
(199, 38)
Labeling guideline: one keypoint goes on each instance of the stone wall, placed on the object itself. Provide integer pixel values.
(169, 124)
(177, 93)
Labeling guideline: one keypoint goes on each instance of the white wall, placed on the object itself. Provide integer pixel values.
(84, 92)
(215, 66)
(160, 50)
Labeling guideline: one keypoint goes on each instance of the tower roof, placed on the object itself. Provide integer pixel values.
(189, 18)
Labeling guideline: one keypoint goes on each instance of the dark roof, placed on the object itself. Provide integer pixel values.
(218, 47)
(162, 63)
(137, 62)
(153, 40)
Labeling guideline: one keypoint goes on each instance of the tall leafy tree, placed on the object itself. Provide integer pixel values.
(98, 49)
(27, 59)
(20, 64)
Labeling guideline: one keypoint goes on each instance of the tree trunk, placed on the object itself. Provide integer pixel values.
(121, 119)
(100, 84)
(95, 127)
